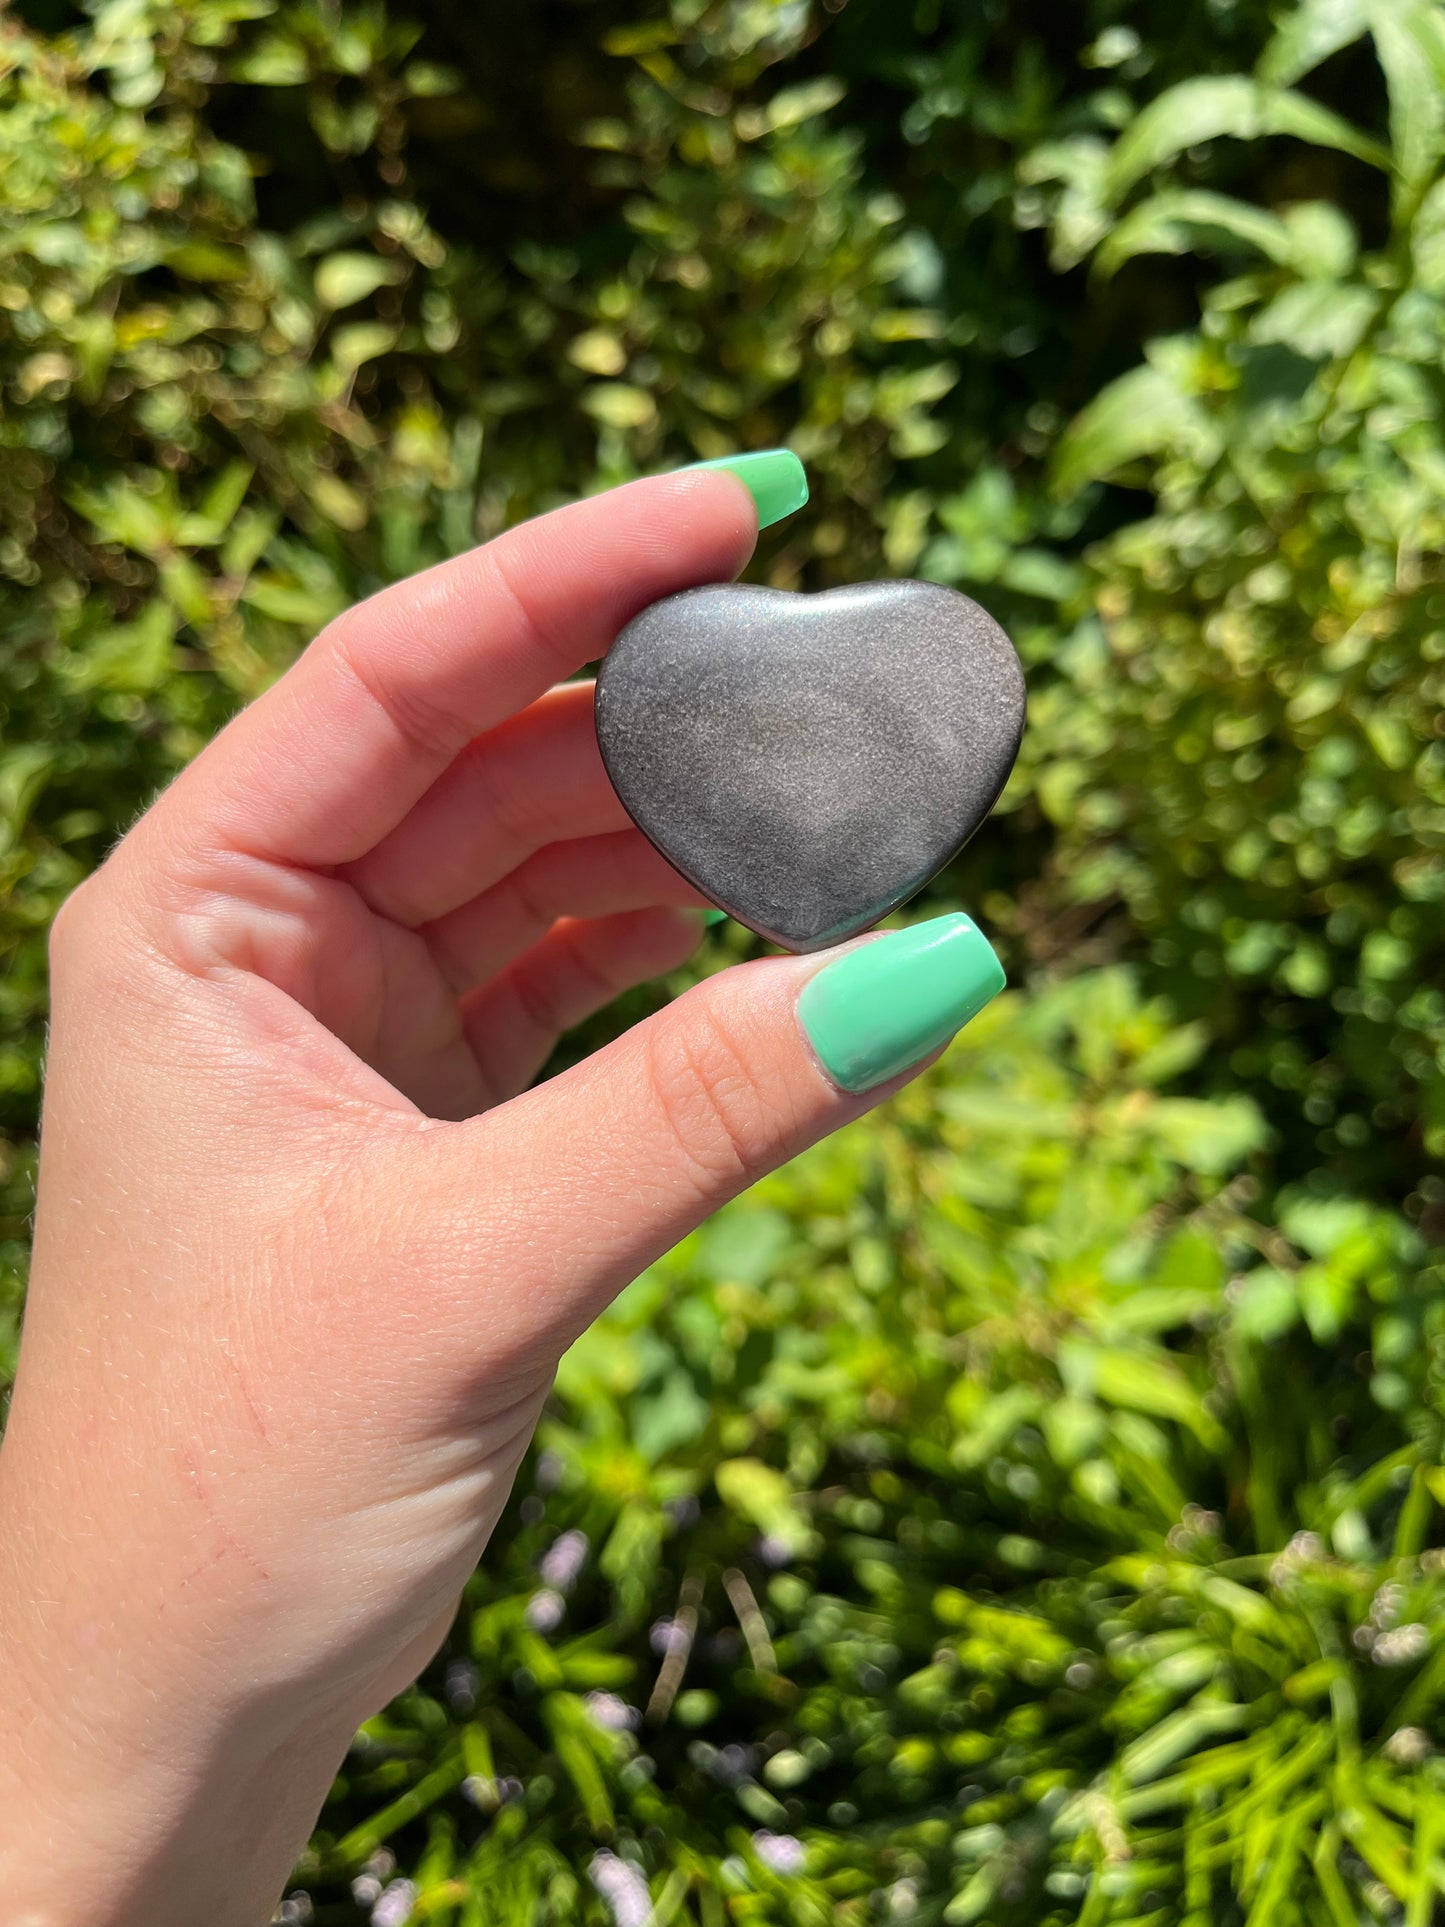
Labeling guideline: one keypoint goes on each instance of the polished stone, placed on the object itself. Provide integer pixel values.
(809, 761)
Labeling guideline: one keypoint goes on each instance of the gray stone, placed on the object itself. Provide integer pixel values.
(809, 761)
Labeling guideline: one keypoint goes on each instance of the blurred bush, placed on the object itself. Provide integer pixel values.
(1025, 1508)
(959, 1528)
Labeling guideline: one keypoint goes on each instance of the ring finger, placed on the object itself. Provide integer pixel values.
(537, 779)
(587, 877)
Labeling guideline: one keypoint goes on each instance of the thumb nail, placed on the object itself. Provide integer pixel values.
(774, 477)
(894, 1000)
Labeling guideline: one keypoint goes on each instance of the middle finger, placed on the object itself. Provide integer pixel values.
(536, 779)
(588, 877)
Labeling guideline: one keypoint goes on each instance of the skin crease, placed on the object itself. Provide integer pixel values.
(307, 1247)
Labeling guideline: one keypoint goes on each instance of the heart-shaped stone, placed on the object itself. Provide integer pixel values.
(809, 761)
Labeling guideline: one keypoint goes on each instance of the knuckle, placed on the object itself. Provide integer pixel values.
(589, 981)
(503, 800)
(570, 985)
(534, 896)
(513, 585)
(536, 999)
(712, 1102)
(71, 923)
(428, 727)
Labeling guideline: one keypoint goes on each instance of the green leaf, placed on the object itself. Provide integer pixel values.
(757, 1492)
(1427, 241)
(207, 261)
(219, 507)
(1266, 1306)
(285, 600)
(1308, 35)
(1142, 413)
(1225, 106)
(246, 541)
(361, 341)
(1176, 1051)
(364, 1839)
(1181, 221)
(23, 773)
(1409, 39)
(985, 1420)
(133, 657)
(673, 1415)
(187, 589)
(428, 80)
(1138, 1381)
(1074, 1427)
(351, 276)
(275, 61)
(744, 1244)
(619, 405)
(337, 500)
(572, 1738)
(1211, 1135)
(1176, 1737)
(127, 513)
(59, 244)
(999, 1113)
(790, 108)
(643, 38)
(1318, 319)
(1322, 241)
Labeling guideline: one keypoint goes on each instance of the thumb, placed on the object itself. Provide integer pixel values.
(606, 1166)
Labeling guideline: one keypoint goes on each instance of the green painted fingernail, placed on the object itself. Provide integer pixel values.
(711, 918)
(774, 477)
(890, 1002)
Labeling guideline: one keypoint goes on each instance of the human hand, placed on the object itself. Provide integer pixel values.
(308, 1249)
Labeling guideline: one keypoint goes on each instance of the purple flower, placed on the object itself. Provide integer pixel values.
(614, 1715)
(1407, 1746)
(545, 1610)
(490, 1794)
(623, 1888)
(394, 1907)
(667, 1636)
(735, 1763)
(1401, 1644)
(561, 1564)
(462, 1681)
(782, 1852)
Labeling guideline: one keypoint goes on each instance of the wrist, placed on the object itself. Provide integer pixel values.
(202, 1821)
(139, 1780)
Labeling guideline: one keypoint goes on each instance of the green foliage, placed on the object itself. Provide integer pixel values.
(1243, 741)
(1027, 1502)
(967, 1503)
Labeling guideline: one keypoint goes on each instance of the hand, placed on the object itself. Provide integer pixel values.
(305, 1259)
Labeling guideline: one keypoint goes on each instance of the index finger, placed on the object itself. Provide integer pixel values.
(318, 769)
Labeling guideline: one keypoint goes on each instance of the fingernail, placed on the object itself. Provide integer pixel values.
(711, 918)
(774, 477)
(894, 1000)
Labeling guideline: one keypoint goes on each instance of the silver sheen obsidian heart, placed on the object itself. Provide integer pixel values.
(809, 761)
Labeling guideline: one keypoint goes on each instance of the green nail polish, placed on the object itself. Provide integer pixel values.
(711, 918)
(774, 478)
(893, 1000)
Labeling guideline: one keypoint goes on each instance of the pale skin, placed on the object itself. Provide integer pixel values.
(308, 1247)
